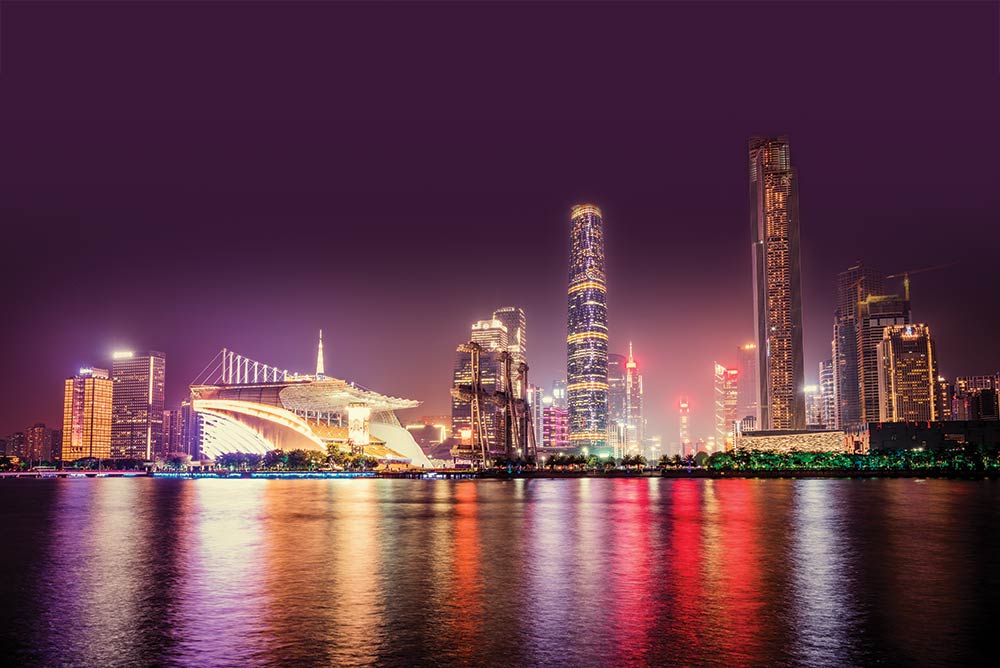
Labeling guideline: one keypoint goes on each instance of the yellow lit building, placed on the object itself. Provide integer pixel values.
(87, 415)
(907, 372)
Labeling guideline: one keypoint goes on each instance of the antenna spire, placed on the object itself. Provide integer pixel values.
(319, 356)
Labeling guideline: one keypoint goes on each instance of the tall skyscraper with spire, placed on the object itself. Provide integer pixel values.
(635, 422)
(774, 216)
(320, 371)
(587, 335)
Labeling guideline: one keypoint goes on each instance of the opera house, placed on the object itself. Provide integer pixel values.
(256, 408)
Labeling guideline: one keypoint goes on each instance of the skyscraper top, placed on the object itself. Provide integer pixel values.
(319, 356)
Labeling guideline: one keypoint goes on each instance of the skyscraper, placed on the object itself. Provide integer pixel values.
(854, 286)
(749, 382)
(828, 394)
(137, 413)
(875, 314)
(726, 404)
(555, 427)
(965, 388)
(617, 402)
(685, 430)
(587, 335)
(907, 374)
(513, 320)
(87, 415)
(774, 215)
(491, 335)
(534, 396)
(635, 422)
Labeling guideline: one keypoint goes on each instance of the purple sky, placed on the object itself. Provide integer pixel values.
(188, 176)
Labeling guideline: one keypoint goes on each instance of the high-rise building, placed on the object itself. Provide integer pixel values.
(55, 444)
(828, 394)
(15, 444)
(907, 373)
(587, 335)
(774, 214)
(814, 405)
(534, 395)
(875, 314)
(513, 320)
(87, 415)
(559, 398)
(684, 409)
(555, 427)
(137, 414)
(854, 286)
(635, 422)
(727, 383)
(174, 436)
(491, 335)
(38, 443)
(617, 403)
(983, 404)
(945, 399)
(749, 382)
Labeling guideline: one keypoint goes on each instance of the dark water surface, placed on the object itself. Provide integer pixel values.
(143, 572)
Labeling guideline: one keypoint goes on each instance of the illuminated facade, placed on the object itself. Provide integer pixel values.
(854, 286)
(684, 409)
(828, 394)
(587, 331)
(534, 397)
(635, 423)
(965, 388)
(749, 382)
(555, 428)
(512, 318)
(875, 314)
(907, 372)
(726, 404)
(774, 214)
(87, 415)
(492, 336)
(617, 403)
(137, 405)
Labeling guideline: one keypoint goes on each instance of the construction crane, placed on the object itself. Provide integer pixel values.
(515, 414)
(906, 275)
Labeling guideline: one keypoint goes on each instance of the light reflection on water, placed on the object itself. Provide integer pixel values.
(556, 572)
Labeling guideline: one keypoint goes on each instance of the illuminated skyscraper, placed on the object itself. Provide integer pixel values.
(685, 430)
(828, 395)
(749, 382)
(965, 388)
(87, 415)
(555, 427)
(814, 405)
(534, 397)
(854, 286)
(491, 335)
(635, 422)
(875, 313)
(559, 394)
(513, 320)
(774, 215)
(587, 336)
(907, 374)
(137, 413)
(617, 402)
(727, 383)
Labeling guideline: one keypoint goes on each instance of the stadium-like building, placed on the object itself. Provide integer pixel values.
(257, 408)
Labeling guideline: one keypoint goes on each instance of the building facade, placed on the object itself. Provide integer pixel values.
(555, 428)
(749, 382)
(907, 368)
(828, 394)
(727, 383)
(87, 415)
(617, 402)
(587, 331)
(635, 422)
(138, 403)
(854, 286)
(875, 314)
(774, 214)
(513, 320)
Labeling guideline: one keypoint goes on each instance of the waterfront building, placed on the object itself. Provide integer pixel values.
(491, 335)
(138, 404)
(875, 314)
(797, 440)
(587, 332)
(534, 396)
(174, 436)
(934, 435)
(945, 399)
(87, 408)
(965, 387)
(854, 286)
(684, 410)
(748, 382)
(635, 422)
(907, 372)
(38, 441)
(726, 404)
(513, 320)
(617, 403)
(559, 398)
(828, 394)
(555, 428)
(983, 405)
(774, 214)
(15, 444)
(814, 405)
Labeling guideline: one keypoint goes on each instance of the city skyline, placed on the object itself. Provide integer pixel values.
(244, 249)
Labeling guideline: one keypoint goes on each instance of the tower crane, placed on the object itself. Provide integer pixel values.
(906, 275)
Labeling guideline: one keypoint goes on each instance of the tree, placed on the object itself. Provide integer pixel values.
(275, 459)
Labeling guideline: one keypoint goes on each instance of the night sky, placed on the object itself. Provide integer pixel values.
(188, 176)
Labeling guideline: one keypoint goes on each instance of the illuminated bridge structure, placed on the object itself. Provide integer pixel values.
(247, 406)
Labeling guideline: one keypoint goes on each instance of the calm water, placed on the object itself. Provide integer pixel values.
(557, 572)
